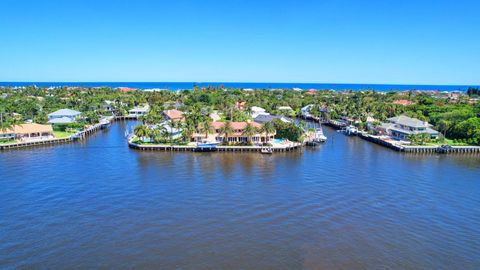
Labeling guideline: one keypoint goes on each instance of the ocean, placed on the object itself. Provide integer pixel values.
(255, 85)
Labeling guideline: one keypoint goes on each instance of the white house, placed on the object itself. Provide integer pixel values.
(139, 110)
(63, 116)
(256, 111)
(400, 127)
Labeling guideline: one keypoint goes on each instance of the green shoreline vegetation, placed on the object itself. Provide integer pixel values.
(455, 115)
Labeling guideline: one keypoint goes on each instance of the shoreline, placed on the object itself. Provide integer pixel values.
(275, 149)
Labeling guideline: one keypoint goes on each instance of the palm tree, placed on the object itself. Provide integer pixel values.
(206, 126)
(226, 130)
(156, 135)
(188, 131)
(268, 128)
(141, 131)
(412, 138)
(249, 132)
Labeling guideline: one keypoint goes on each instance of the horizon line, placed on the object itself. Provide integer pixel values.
(230, 82)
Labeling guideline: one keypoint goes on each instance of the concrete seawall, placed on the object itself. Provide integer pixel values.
(421, 149)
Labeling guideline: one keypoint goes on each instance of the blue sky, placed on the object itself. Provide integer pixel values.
(335, 41)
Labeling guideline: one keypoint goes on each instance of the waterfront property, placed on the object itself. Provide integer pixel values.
(27, 132)
(401, 127)
(236, 136)
(63, 116)
(264, 118)
(139, 111)
(173, 115)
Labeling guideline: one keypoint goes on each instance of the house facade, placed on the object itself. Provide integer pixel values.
(63, 116)
(27, 132)
(173, 115)
(262, 119)
(139, 110)
(400, 127)
(236, 136)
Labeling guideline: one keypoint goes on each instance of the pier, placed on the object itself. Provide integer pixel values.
(421, 149)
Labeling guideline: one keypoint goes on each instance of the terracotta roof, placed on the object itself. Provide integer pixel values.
(126, 89)
(236, 125)
(28, 128)
(173, 114)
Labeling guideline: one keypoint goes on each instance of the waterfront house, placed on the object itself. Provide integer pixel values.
(306, 110)
(63, 116)
(236, 136)
(108, 105)
(400, 127)
(261, 119)
(173, 115)
(167, 129)
(139, 110)
(27, 132)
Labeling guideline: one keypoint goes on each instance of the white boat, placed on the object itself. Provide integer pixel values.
(350, 130)
(266, 150)
(319, 136)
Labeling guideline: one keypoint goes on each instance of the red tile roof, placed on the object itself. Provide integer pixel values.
(236, 125)
(173, 114)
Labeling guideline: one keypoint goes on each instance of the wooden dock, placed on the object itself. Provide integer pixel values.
(331, 123)
(421, 149)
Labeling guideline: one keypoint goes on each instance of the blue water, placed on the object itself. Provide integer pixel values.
(278, 140)
(266, 85)
(346, 204)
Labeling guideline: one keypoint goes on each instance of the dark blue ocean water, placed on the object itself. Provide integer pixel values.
(266, 85)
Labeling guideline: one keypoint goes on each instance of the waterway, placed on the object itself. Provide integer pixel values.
(347, 204)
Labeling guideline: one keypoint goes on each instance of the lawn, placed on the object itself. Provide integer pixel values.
(7, 141)
(447, 141)
(62, 134)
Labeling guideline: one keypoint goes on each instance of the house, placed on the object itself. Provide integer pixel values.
(173, 115)
(28, 132)
(306, 110)
(261, 119)
(257, 111)
(139, 110)
(108, 106)
(126, 89)
(311, 92)
(63, 116)
(400, 127)
(166, 128)
(236, 136)
(173, 105)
